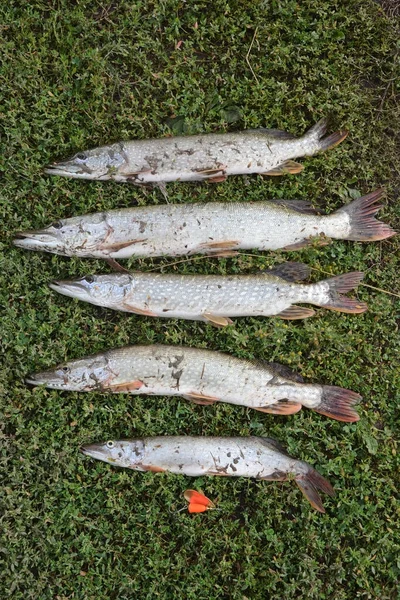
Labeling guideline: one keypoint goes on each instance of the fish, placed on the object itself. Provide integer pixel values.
(202, 377)
(206, 228)
(216, 298)
(256, 457)
(207, 157)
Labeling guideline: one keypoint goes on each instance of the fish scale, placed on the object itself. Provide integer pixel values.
(207, 228)
(202, 376)
(257, 457)
(214, 298)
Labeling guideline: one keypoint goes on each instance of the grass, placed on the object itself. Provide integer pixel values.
(79, 74)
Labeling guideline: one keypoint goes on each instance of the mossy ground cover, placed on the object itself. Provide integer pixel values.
(80, 74)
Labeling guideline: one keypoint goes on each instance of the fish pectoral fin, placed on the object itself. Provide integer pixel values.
(217, 320)
(200, 399)
(120, 245)
(320, 240)
(282, 407)
(288, 167)
(138, 311)
(116, 266)
(128, 386)
(296, 312)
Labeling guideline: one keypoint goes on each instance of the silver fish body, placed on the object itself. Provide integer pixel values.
(257, 457)
(202, 376)
(210, 157)
(215, 298)
(210, 228)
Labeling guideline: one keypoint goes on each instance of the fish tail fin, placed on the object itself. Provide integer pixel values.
(363, 225)
(310, 484)
(316, 135)
(337, 403)
(340, 285)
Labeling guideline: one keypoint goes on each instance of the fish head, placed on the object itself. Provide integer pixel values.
(103, 290)
(86, 374)
(68, 236)
(99, 163)
(121, 453)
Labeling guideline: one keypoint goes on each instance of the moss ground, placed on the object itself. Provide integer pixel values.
(80, 74)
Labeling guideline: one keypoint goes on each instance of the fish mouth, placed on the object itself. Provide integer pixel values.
(45, 378)
(73, 289)
(94, 451)
(69, 169)
(39, 239)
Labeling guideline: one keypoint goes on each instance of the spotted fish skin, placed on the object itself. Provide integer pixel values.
(207, 157)
(202, 376)
(202, 297)
(256, 457)
(206, 228)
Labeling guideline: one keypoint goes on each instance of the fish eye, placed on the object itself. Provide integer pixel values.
(57, 225)
(89, 279)
(65, 369)
(110, 444)
(80, 156)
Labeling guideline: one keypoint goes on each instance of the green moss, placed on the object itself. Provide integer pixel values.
(80, 74)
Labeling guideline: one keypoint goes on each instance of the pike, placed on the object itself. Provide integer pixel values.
(216, 298)
(207, 228)
(257, 457)
(202, 377)
(208, 157)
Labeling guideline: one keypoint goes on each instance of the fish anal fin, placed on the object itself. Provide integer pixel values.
(289, 167)
(217, 320)
(291, 271)
(138, 311)
(128, 386)
(319, 240)
(282, 407)
(200, 399)
(296, 312)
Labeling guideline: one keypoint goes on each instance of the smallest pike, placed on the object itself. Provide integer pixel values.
(195, 456)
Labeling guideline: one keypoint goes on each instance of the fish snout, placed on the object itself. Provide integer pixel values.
(39, 239)
(73, 289)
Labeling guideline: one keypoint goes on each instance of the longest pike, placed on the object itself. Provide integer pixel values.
(258, 457)
(202, 376)
(209, 157)
(206, 229)
(215, 298)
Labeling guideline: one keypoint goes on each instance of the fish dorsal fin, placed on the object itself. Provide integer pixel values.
(290, 271)
(274, 445)
(273, 133)
(301, 206)
(282, 371)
